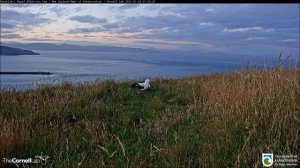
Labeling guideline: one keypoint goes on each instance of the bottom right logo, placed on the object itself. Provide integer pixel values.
(267, 159)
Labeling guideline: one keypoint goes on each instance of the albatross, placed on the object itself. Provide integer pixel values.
(142, 86)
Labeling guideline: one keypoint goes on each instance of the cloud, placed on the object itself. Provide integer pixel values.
(128, 6)
(109, 26)
(254, 38)
(78, 9)
(87, 36)
(178, 44)
(289, 40)
(7, 25)
(86, 30)
(147, 22)
(6, 31)
(210, 10)
(206, 23)
(123, 7)
(39, 39)
(58, 10)
(11, 19)
(247, 29)
(172, 27)
(10, 36)
(88, 19)
(19, 5)
(232, 27)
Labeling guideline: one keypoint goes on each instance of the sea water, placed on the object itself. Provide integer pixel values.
(85, 66)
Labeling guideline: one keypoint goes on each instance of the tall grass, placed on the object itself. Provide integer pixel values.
(215, 120)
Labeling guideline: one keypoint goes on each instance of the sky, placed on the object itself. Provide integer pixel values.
(250, 29)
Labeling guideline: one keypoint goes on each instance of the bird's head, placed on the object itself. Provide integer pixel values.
(147, 81)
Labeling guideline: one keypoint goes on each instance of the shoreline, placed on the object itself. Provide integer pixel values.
(37, 84)
(26, 73)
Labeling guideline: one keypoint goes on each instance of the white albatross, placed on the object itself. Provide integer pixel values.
(142, 86)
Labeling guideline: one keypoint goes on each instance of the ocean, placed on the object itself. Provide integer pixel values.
(89, 66)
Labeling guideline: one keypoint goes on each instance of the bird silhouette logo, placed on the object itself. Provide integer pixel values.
(43, 159)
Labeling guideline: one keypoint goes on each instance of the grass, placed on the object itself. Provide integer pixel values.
(215, 120)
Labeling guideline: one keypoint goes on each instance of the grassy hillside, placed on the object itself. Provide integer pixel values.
(208, 121)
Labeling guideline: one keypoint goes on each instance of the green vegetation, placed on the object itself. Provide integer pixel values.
(213, 120)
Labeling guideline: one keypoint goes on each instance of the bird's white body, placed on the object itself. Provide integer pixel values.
(143, 86)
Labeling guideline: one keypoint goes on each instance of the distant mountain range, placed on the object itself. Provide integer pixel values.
(4, 50)
(69, 47)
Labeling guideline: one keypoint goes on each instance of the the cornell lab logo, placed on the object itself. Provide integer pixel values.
(267, 159)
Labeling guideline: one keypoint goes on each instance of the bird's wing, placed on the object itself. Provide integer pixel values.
(141, 84)
(146, 86)
(136, 85)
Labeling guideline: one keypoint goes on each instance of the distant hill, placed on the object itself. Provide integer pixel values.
(69, 47)
(4, 50)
